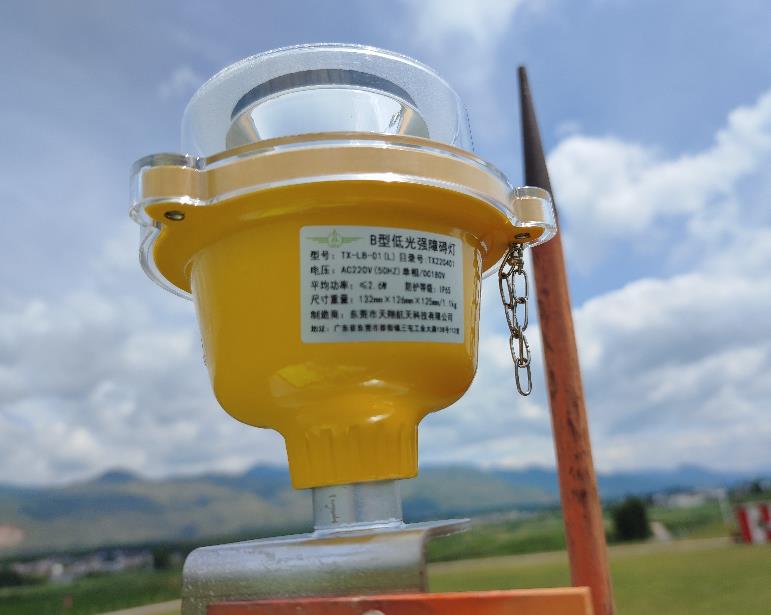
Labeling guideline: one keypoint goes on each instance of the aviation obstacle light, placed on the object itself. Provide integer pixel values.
(332, 225)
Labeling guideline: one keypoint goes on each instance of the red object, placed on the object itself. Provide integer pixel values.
(581, 509)
(744, 523)
(765, 518)
(755, 522)
(562, 601)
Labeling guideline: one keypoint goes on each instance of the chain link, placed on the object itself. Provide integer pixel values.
(511, 279)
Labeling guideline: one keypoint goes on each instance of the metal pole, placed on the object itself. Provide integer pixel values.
(358, 506)
(582, 512)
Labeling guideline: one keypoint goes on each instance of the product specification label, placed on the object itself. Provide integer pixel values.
(371, 283)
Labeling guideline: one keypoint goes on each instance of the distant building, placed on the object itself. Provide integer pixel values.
(67, 568)
(689, 498)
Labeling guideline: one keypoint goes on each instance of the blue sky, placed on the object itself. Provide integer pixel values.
(657, 119)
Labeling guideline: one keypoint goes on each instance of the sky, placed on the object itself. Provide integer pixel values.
(656, 117)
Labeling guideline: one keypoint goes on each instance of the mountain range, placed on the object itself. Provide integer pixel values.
(120, 507)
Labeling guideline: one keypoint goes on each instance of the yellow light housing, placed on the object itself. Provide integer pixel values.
(336, 273)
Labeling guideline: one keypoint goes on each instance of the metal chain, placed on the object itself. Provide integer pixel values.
(510, 274)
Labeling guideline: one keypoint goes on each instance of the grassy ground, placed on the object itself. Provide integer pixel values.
(542, 532)
(162, 608)
(703, 521)
(91, 595)
(708, 577)
(545, 532)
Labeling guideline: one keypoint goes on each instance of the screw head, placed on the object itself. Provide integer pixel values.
(174, 215)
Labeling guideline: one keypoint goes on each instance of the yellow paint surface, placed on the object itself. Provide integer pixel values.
(348, 411)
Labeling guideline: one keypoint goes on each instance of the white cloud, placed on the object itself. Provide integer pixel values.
(567, 128)
(182, 82)
(677, 358)
(464, 39)
(440, 23)
(613, 190)
(93, 381)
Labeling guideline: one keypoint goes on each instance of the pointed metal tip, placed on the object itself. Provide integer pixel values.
(524, 84)
(536, 173)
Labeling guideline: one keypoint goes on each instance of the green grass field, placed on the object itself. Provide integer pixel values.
(545, 532)
(91, 595)
(704, 577)
(703, 521)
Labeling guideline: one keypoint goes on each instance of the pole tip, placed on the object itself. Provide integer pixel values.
(524, 85)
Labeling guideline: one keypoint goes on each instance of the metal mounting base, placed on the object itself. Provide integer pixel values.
(326, 562)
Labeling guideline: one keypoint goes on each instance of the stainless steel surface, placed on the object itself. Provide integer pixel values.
(355, 562)
(320, 77)
(324, 108)
(511, 270)
(359, 505)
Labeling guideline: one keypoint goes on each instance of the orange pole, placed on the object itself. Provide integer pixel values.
(581, 508)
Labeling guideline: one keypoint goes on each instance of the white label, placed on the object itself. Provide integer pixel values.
(371, 283)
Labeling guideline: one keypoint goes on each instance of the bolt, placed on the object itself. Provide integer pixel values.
(174, 215)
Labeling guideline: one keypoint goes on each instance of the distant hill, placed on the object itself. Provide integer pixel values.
(120, 507)
(619, 484)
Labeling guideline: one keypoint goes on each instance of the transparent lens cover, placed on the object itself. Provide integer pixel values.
(322, 88)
